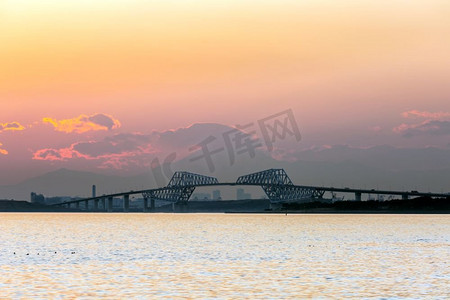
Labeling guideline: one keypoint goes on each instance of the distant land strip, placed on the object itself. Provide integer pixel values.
(418, 205)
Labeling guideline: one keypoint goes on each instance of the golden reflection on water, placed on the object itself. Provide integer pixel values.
(223, 256)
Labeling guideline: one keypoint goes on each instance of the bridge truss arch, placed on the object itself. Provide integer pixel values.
(180, 187)
(279, 187)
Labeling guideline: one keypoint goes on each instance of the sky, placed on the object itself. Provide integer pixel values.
(89, 73)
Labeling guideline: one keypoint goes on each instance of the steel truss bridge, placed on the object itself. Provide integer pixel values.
(277, 185)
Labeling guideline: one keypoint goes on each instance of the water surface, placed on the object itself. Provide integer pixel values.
(223, 256)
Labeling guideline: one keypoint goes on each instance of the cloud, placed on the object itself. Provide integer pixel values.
(3, 151)
(53, 154)
(428, 127)
(11, 126)
(436, 124)
(114, 145)
(376, 129)
(426, 114)
(114, 151)
(136, 149)
(84, 123)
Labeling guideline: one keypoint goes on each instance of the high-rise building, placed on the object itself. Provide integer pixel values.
(242, 195)
(201, 196)
(37, 198)
(216, 195)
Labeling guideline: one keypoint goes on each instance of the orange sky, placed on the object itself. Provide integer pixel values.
(348, 66)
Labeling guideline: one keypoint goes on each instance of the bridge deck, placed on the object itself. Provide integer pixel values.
(319, 188)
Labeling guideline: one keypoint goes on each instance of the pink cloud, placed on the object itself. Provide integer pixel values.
(376, 129)
(112, 152)
(84, 123)
(425, 114)
(428, 127)
(135, 150)
(436, 123)
(54, 154)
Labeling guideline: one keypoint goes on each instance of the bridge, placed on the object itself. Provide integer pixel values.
(275, 183)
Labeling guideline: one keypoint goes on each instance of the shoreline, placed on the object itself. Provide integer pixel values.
(360, 212)
(413, 206)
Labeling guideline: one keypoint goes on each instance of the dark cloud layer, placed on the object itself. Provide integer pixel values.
(430, 127)
(116, 144)
(103, 120)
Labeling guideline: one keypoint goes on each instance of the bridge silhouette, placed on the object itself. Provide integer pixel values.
(277, 185)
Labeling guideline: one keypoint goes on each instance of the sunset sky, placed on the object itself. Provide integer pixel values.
(360, 73)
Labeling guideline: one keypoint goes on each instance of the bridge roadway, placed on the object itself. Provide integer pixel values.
(107, 200)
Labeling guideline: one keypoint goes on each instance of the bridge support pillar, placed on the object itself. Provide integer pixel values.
(405, 197)
(77, 205)
(96, 204)
(126, 203)
(181, 207)
(110, 204)
(103, 201)
(145, 208)
(152, 204)
(275, 206)
(357, 196)
(86, 205)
